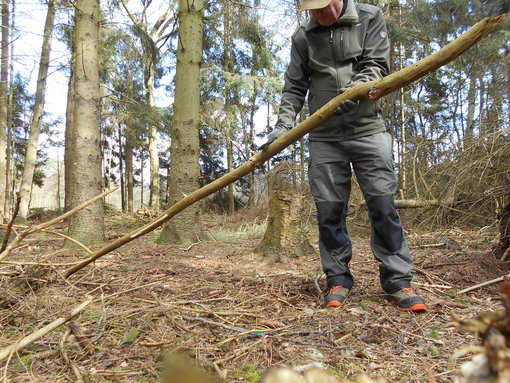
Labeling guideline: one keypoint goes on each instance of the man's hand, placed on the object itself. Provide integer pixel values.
(347, 105)
(279, 130)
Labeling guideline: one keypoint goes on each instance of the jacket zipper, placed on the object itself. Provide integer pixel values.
(335, 54)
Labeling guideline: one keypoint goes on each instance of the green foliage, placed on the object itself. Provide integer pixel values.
(434, 351)
(131, 336)
(336, 372)
(434, 334)
(23, 363)
(451, 293)
(251, 373)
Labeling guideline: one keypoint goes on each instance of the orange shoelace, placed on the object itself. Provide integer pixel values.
(335, 289)
(408, 290)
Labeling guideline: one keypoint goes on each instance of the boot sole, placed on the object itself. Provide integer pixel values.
(418, 307)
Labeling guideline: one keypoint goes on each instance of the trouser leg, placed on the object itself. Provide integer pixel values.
(374, 170)
(389, 244)
(330, 181)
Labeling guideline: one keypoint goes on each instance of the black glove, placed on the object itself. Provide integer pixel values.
(346, 106)
(279, 130)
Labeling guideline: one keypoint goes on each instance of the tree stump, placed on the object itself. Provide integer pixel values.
(502, 249)
(289, 207)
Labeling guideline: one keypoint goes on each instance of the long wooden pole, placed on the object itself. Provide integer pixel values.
(372, 90)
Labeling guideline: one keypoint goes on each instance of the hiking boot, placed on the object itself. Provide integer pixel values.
(406, 300)
(336, 296)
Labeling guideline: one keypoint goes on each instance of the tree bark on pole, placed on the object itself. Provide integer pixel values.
(373, 90)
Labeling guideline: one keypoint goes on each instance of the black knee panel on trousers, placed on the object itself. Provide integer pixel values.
(330, 217)
(386, 222)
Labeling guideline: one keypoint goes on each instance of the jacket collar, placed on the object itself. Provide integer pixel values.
(350, 16)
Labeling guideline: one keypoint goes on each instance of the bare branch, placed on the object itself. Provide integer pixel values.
(8, 229)
(16, 241)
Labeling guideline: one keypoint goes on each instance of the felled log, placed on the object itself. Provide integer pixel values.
(416, 203)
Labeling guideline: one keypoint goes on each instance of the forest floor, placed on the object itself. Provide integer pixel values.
(237, 312)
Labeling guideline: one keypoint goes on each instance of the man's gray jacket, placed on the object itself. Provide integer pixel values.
(326, 60)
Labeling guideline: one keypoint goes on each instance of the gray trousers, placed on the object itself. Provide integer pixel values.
(330, 173)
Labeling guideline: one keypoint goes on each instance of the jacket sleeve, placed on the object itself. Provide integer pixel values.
(297, 81)
(374, 62)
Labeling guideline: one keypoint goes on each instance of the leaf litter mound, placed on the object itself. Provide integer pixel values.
(236, 312)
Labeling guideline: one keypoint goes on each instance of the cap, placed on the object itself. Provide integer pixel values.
(313, 4)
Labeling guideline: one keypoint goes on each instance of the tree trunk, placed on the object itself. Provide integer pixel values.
(9, 164)
(154, 200)
(228, 95)
(87, 225)
(249, 144)
(184, 175)
(470, 123)
(59, 187)
(129, 153)
(403, 139)
(129, 169)
(285, 233)
(69, 144)
(142, 165)
(35, 124)
(121, 171)
(230, 167)
(3, 106)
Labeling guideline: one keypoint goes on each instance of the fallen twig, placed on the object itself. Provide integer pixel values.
(171, 317)
(429, 245)
(266, 333)
(398, 331)
(82, 340)
(79, 377)
(507, 253)
(433, 285)
(487, 283)
(29, 339)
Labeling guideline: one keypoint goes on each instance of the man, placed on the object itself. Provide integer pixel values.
(341, 45)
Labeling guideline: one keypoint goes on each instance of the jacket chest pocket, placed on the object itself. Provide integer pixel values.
(349, 42)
